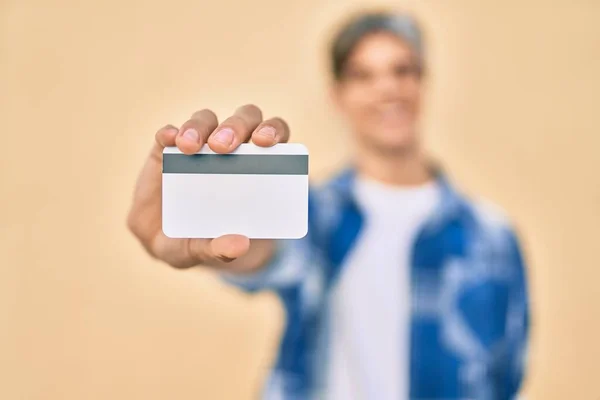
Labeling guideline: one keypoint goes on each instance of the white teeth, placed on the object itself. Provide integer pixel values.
(392, 110)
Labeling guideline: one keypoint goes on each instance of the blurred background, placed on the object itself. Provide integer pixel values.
(512, 111)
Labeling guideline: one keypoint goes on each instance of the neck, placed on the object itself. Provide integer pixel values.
(407, 167)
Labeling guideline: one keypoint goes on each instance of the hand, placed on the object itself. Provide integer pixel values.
(235, 252)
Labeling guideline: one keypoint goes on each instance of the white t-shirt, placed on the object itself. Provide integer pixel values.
(370, 304)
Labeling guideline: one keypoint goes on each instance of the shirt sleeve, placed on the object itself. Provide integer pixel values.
(495, 310)
(517, 322)
(288, 267)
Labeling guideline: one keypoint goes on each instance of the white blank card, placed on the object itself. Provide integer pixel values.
(255, 191)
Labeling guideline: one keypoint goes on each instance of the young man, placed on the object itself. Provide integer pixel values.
(403, 288)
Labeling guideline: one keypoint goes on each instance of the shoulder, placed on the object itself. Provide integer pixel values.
(335, 188)
(484, 222)
(475, 216)
(489, 215)
(495, 233)
(326, 199)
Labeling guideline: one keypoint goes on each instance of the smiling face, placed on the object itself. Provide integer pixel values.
(379, 92)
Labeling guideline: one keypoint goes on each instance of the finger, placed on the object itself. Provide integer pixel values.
(164, 137)
(222, 249)
(195, 131)
(148, 188)
(235, 129)
(271, 132)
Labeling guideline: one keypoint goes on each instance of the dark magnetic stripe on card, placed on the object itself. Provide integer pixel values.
(243, 164)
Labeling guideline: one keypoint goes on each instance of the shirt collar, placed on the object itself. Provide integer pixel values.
(450, 206)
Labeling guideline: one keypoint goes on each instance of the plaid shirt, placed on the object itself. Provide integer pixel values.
(469, 311)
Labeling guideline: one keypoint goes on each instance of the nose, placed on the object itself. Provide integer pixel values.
(388, 88)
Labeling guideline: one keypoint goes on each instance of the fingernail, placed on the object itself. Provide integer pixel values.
(267, 131)
(224, 136)
(225, 259)
(191, 134)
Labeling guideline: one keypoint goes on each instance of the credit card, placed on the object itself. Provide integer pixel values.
(259, 192)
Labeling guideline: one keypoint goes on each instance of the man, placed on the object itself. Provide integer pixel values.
(403, 288)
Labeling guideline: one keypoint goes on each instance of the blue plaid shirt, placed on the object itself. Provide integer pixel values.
(469, 311)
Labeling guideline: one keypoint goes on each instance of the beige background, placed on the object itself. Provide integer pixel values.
(513, 111)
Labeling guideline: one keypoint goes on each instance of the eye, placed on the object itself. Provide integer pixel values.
(406, 70)
(358, 75)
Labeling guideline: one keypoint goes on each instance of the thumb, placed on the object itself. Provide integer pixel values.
(222, 249)
(229, 247)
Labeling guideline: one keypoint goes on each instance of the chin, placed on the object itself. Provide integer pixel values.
(397, 140)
